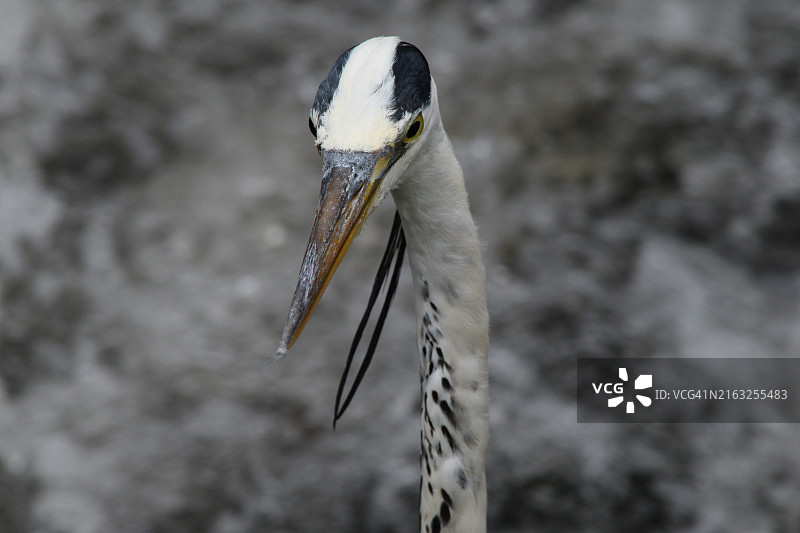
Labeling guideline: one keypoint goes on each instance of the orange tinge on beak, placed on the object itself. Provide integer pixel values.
(346, 200)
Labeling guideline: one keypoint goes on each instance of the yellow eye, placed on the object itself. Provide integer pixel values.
(414, 130)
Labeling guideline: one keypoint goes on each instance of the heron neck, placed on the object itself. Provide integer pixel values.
(453, 337)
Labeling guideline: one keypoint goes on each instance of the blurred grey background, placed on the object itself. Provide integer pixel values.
(632, 166)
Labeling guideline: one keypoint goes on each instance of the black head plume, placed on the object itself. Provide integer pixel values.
(395, 248)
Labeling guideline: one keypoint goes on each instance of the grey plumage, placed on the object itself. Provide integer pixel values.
(378, 128)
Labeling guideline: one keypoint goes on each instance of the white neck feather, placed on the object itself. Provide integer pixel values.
(450, 286)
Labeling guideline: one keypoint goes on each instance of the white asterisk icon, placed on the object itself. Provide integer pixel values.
(644, 381)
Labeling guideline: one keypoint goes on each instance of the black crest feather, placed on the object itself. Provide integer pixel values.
(395, 247)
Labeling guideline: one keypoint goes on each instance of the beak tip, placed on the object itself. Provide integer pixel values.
(281, 351)
(286, 340)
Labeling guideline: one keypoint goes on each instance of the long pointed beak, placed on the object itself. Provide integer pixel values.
(350, 183)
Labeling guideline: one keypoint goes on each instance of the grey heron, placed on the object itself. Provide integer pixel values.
(377, 126)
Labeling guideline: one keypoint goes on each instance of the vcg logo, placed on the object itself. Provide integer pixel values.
(644, 381)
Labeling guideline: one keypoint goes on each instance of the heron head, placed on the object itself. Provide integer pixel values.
(368, 120)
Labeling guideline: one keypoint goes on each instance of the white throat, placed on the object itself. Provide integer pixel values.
(453, 335)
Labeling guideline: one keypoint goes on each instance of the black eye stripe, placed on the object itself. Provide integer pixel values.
(331, 82)
(312, 127)
(412, 80)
